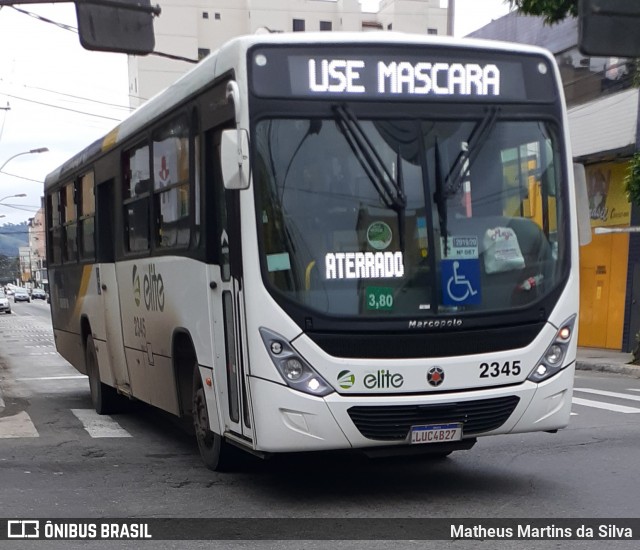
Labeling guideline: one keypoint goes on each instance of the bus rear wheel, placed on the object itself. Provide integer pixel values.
(104, 398)
(213, 450)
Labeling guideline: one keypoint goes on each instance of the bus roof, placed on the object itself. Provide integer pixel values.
(232, 54)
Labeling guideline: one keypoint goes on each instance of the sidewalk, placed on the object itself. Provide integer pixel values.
(606, 360)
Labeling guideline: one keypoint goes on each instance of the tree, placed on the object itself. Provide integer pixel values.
(9, 269)
(552, 11)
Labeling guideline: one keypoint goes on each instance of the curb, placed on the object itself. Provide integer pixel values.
(617, 368)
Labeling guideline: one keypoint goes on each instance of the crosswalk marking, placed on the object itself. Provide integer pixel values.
(609, 393)
(99, 426)
(66, 377)
(606, 406)
(21, 425)
(17, 425)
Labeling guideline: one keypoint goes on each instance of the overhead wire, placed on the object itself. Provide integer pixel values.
(60, 107)
(106, 103)
(20, 177)
(74, 30)
(25, 207)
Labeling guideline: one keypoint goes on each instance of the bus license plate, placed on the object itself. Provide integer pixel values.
(436, 433)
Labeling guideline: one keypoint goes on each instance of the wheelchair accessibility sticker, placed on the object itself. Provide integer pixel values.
(460, 282)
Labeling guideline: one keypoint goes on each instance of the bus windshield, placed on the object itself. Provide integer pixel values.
(409, 218)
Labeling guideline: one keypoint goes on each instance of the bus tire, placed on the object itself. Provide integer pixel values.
(213, 450)
(103, 397)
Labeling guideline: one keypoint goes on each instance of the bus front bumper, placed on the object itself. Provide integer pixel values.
(286, 420)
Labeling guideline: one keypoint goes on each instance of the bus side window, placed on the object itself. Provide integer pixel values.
(86, 216)
(171, 183)
(69, 215)
(54, 228)
(135, 194)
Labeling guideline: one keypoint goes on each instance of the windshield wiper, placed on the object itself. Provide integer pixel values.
(460, 168)
(440, 197)
(449, 185)
(315, 126)
(388, 188)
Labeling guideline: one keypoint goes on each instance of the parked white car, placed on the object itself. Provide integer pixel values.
(21, 295)
(4, 303)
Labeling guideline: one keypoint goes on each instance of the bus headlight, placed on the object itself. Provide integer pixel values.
(295, 371)
(553, 359)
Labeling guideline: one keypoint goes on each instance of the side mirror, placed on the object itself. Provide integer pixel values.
(234, 154)
(124, 26)
(609, 28)
(582, 204)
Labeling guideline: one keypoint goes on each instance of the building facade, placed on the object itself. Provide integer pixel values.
(603, 121)
(188, 31)
(33, 260)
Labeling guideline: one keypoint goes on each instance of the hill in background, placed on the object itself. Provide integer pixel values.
(12, 237)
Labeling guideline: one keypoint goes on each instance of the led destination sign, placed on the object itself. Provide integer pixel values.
(344, 75)
(407, 73)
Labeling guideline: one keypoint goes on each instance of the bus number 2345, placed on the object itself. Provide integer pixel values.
(495, 369)
(139, 328)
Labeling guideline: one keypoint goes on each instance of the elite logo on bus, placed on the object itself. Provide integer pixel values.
(346, 379)
(383, 379)
(151, 289)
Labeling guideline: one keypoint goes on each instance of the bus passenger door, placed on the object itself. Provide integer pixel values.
(228, 301)
(108, 289)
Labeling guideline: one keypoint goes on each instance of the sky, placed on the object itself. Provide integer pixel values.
(63, 97)
(60, 97)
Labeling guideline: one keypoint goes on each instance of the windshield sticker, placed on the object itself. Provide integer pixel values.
(422, 236)
(278, 262)
(502, 251)
(460, 282)
(363, 265)
(379, 235)
(379, 298)
(463, 248)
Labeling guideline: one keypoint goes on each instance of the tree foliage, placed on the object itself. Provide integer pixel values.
(552, 11)
(632, 180)
(9, 269)
(13, 236)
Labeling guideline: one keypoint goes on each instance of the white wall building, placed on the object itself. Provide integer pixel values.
(37, 256)
(417, 16)
(192, 29)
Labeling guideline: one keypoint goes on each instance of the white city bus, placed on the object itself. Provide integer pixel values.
(329, 241)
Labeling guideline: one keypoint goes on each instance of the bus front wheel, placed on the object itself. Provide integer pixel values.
(103, 397)
(213, 450)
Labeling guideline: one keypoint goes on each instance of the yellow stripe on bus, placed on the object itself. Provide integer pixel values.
(110, 139)
(82, 291)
